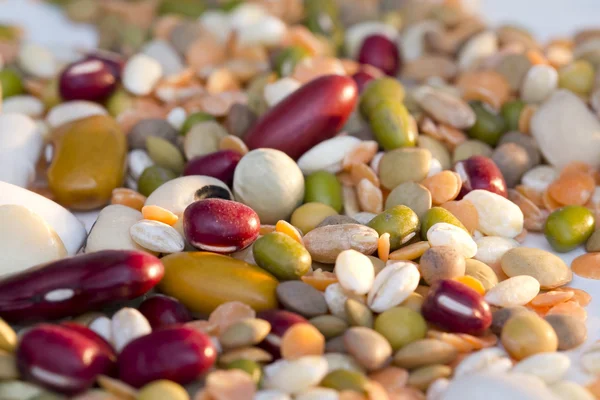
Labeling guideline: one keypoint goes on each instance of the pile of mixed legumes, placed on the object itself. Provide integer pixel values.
(310, 200)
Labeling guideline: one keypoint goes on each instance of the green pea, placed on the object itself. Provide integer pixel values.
(282, 256)
(118, 102)
(380, 90)
(252, 368)
(187, 8)
(10, 83)
(399, 221)
(392, 126)
(344, 379)
(153, 177)
(511, 112)
(323, 187)
(435, 215)
(231, 5)
(489, 126)
(568, 227)
(400, 326)
(8, 32)
(577, 77)
(165, 154)
(323, 18)
(286, 61)
(194, 119)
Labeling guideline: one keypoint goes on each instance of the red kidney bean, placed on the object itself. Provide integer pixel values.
(380, 52)
(362, 78)
(456, 307)
(180, 354)
(61, 358)
(310, 115)
(79, 284)
(114, 61)
(220, 165)
(280, 321)
(87, 80)
(162, 311)
(479, 172)
(220, 226)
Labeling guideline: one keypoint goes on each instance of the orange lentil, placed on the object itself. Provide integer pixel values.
(370, 197)
(480, 342)
(360, 171)
(587, 266)
(471, 282)
(569, 308)
(383, 247)
(574, 188)
(577, 166)
(410, 252)
(536, 57)
(266, 229)
(444, 186)
(551, 298)
(549, 202)
(533, 195)
(286, 228)
(319, 279)
(157, 213)
(465, 212)
(302, 340)
(391, 378)
(488, 86)
(580, 296)
(129, 198)
(361, 153)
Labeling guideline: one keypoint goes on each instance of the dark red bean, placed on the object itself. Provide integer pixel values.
(362, 78)
(75, 285)
(380, 52)
(280, 321)
(456, 307)
(87, 80)
(114, 61)
(310, 115)
(220, 226)
(162, 311)
(180, 354)
(61, 358)
(220, 165)
(479, 172)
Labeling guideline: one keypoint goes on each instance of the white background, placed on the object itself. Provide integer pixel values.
(545, 18)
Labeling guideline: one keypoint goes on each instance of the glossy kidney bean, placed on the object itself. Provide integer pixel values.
(362, 78)
(280, 321)
(180, 354)
(220, 226)
(163, 311)
(456, 307)
(75, 285)
(310, 115)
(479, 172)
(380, 52)
(89, 79)
(61, 358)
(220, 165)
(114, 61)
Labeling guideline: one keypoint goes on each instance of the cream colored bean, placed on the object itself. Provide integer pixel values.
(444, 234)
(394, 283)
(550, 367)
(295, 376)
(490, 249)
(141, 74)
(336, 297)
(478, 47)
(590, 359)
(157, 236)
(515, 291)
(498, 216)
(540, 177)
(566, 390)
(327, 155)
(354, 271)
(128, 324)
(72, 111)
(482, 361)
(539, 83)
(279, 90)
